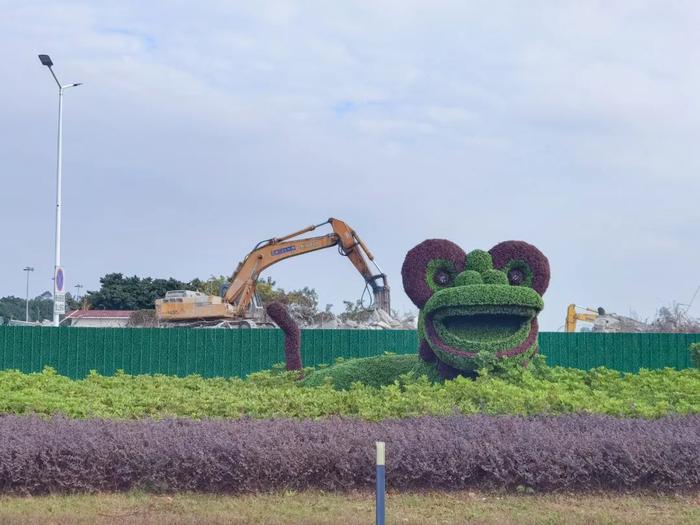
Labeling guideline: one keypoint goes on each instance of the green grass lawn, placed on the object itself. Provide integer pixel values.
(354, 508)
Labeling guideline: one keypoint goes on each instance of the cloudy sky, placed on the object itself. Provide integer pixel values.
(204, 127)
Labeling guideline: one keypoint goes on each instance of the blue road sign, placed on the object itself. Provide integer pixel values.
(59, 279)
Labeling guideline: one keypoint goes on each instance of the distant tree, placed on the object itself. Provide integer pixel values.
(135, 293)
(675, 319)
(118, 292)
(325, 316)
(142, 318)
(11, 307)
(76, 304)
(356, 312)
(305, 297)
(40, 308)
(131, 293)
(211, 286)
(266, 290)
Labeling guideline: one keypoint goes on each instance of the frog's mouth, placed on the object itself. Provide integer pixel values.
(461, 330)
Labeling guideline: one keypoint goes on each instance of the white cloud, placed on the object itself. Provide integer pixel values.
(570, 125)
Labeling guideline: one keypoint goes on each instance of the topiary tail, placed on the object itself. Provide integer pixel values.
(292, 335)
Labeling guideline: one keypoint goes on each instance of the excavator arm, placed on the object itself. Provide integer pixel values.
(356, 250)
(572, 316)
(244, 280)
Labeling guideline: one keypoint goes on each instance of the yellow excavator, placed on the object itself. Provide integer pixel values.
(239, 305)
(572, 316)
(602, 321)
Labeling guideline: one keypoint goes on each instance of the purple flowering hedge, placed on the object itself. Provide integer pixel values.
(583, 452)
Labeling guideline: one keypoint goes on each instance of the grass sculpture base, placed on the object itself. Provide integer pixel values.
(374, 371)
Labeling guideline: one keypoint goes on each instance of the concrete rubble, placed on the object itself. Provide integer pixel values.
(377, 320)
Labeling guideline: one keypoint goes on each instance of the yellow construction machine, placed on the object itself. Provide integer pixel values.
(602, 321)
(239, 306)
(572, 316)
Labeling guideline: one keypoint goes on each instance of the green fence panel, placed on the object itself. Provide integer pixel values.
(623, 352)
(213, 353)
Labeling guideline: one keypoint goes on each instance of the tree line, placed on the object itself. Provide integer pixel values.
(120, 292)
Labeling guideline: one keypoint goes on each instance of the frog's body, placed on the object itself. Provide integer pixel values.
(373, 371)
(476, 304)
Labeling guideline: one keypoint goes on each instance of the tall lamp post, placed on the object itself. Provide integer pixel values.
(46, 61)
(26, 305)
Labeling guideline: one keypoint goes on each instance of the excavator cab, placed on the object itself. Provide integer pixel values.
(256, 309)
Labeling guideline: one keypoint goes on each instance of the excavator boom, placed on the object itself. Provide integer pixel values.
(277, 249)
(572, 316)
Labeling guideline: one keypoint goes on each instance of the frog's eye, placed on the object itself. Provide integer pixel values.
(440, 274)
(442, 278)
(516, 277)
(523, 263)
(519, 273)
(431, 266)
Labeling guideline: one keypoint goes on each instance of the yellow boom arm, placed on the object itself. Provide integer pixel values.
(572, 316)
(244, 280)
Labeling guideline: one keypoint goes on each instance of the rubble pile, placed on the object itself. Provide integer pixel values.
(376, 319)
(618, 323)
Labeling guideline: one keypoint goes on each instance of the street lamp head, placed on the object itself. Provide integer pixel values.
(46, 60)
(28, 269)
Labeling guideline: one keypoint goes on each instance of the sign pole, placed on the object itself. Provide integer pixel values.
(380, 487)
(57, 265)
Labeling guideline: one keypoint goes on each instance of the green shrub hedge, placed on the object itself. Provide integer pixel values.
(278, 394)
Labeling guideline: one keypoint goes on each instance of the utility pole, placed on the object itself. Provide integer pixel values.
(26, 306)
(58, 271)
(77, 293)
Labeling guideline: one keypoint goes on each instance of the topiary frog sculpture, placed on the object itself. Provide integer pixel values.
(473, 306)
(476, 304)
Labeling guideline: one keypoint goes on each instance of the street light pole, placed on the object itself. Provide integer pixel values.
(46, 61)
(26, 306)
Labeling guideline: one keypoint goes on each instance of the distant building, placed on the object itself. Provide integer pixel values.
(17, 322)
(97, 318)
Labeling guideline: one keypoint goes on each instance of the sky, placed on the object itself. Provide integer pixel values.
(205, 127)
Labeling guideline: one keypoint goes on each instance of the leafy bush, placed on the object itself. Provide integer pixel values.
(542, 453)
(648, 394)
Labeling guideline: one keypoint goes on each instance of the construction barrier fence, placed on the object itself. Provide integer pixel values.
(73, 352)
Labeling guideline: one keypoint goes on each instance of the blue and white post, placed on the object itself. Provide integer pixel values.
(380, 489)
